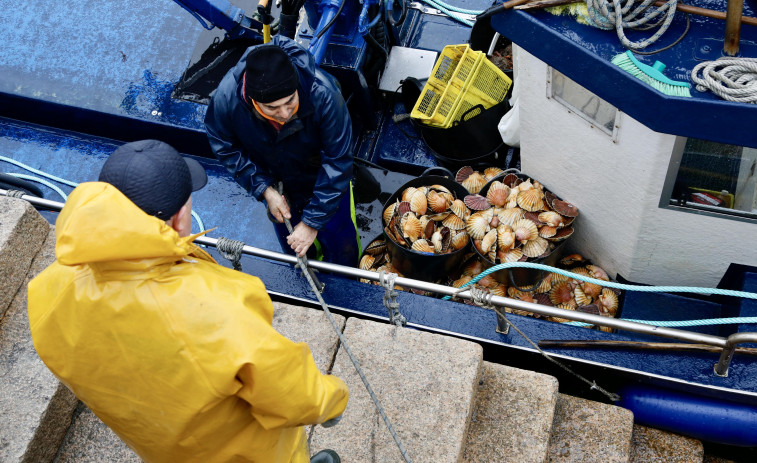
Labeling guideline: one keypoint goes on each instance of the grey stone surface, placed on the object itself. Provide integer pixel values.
(587, 432)
(35, 408)
(426, 384)
(22, 232)
(89, 440)
(311, 326)
(512, 416)
(651, 445)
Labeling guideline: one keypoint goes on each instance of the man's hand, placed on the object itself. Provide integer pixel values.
(277, 205)
(301, 238)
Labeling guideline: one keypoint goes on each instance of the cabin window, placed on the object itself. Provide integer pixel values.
(713, 178)
(599, 113)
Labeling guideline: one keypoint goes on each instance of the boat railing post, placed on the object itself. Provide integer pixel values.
(502, 326)
(721, 368)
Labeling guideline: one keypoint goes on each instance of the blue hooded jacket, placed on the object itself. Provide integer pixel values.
(310, 154)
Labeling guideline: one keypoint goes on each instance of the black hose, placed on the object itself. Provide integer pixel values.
(333, 20)
(402, 15)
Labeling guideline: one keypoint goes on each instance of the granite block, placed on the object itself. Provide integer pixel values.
(512, 416)
(22, 232)
(35, 408)
(586, 431)
(426, 384)
(311, 326)
(89, 440)
(651, 445)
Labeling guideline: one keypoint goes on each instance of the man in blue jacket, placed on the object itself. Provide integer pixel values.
(274, 118)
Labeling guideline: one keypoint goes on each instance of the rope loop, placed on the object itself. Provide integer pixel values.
(733, 79)
(481, 297)
(387, 280)
(15, 193)
(609, 14)
(231, 250)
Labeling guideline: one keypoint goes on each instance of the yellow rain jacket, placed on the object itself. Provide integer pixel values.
(174, 352)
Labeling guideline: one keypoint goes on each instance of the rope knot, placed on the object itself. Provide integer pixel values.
(15, 193)
(390, 298)
(231, 250)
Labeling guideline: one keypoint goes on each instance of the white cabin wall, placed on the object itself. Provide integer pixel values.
(617, 188)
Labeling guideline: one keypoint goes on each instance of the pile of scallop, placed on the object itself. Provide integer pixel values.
(515, 219)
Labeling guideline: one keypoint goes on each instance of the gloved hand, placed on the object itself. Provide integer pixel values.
(288, 24)
(332, 422)
(277, 205)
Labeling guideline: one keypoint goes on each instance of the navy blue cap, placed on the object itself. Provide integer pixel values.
(270, 74)
(154, 176)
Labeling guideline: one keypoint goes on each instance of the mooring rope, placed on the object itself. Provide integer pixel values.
(390, 298)
(483, 297)
(631, 15)
(231, 250)
(15, 193)
(733, 79)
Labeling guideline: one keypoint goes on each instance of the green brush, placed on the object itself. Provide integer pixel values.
(652, 75)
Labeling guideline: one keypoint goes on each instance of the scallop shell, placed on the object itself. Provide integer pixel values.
(463, 174)
(436, 202)
(491, 172)
(531, 199)
(566, 306)
(591, 289)
(512, 199)
(547, 231)
(549, 198)
(597, 272)
(454, 222)
(477, 225)
(513, 255)
(439, 189)
(525, 230)
(436, 241)
(473, 268)
(583, 271)
(439, 217)
(511, 180)
(459, 208)
(498, 193)
(545, 284)
(476, 202)
(499, 290)
(564, 208)
(376, 247)
(581, 297)
(418, 203)
(488, 241)
(422, 246)
(389, 212)
(459, 241)
(535, 247)
(533, 217)
(561, 293)
(590, 309)
(408, 193)
(543, 299)
(366, 262)
(474, 182)
(487, 282)
(562, 234)
(505, 237)
(551, 218)
(461, 281)
(572, 259)
(608, 301)
(559, 278)
(511, 215)
(403, 208)
(411, 227)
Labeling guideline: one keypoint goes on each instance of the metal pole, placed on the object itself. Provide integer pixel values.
(449, 291)
(721, 368)
(733, 27)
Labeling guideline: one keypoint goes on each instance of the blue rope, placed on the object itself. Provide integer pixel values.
(646, 289)
(443, 7)
(458, 10)
(196, 216)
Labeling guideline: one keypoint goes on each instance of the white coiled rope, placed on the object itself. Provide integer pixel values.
(733, 79)
(608, 14)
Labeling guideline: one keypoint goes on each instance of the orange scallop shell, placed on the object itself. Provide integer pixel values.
(531, 200)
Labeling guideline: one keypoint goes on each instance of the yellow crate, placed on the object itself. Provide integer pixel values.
(461, 79)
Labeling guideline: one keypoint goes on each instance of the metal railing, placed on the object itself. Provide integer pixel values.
(728, 345)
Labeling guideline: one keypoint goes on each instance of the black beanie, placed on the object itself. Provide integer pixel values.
(270, 74)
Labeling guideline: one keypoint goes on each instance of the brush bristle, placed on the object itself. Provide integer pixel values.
(672, 88)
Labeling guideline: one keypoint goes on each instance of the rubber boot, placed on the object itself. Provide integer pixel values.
(325, 456)
(288, 24)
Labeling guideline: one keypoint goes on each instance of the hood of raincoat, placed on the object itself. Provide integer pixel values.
(175, 353)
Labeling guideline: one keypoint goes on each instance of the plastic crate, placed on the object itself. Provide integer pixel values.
(461, 79)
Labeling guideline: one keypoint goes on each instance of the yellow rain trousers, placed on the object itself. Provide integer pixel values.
(174, 352)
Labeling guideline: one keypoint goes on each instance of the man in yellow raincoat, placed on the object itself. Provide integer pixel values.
(172, 351)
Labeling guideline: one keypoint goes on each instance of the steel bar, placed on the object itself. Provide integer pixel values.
(544, 310)
(721, 368)
(641, 345)
(733, 15)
